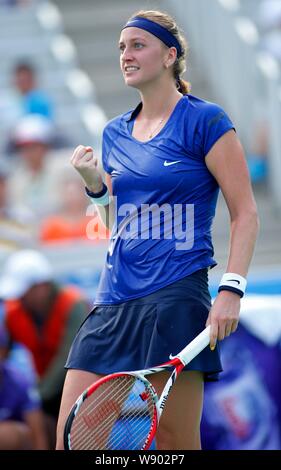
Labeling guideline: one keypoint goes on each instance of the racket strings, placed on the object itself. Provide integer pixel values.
(93, 411)
(99, 434)
(118, 434)
(118, 415)
(141, 416)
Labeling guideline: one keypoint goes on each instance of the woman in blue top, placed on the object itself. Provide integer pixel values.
(165, 162)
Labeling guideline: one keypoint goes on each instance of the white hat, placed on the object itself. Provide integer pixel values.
(33, 128)
(23, 270)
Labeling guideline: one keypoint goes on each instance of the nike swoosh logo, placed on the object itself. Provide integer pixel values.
(170, 163)
(234, 280)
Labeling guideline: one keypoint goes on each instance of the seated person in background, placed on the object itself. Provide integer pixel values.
(21, 97)
(32, 100)
(73, 221)
(257, 157)
(17, 223)
(43, 316)
(22, 425)
(35, 171)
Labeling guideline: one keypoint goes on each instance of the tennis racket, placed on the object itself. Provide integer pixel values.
(121, 411)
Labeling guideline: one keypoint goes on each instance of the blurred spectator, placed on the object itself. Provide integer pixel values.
(21, 420)
(34, 177)
(72, 221)
(243, 410)
(22, 98)
(43, 316)
(16, 222)
(32, 100)
(257, 158)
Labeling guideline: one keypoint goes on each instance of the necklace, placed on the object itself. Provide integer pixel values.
(152, 132)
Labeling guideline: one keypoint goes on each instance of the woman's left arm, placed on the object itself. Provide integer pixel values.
(226, 162)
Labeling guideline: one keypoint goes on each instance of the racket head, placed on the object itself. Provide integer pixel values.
(118, 412)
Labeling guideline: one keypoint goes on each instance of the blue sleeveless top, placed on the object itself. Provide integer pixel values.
(165, 200)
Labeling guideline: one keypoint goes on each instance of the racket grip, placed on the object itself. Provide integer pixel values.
(194, 347)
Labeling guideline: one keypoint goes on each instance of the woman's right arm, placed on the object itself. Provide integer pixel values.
(86, 164)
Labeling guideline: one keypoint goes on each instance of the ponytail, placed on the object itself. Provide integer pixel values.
(183, 86)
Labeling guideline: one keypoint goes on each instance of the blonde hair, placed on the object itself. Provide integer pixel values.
(179, 67)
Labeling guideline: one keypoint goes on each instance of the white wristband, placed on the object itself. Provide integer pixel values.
(101, 201)
(234, 283)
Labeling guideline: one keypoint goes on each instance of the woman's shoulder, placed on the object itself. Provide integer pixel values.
(202, 107)
(204, 122)
(203, 116)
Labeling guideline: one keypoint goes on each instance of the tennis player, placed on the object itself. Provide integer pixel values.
(165, 162)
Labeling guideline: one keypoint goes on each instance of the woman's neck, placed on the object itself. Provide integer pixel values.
(156, 103)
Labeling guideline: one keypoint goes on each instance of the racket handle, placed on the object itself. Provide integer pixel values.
(195, 347)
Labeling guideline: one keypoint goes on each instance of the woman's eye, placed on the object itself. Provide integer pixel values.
(137, 45)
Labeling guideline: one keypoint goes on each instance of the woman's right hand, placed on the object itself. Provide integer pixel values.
(86, 164)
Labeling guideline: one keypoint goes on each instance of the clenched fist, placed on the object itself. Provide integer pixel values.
(86, 164)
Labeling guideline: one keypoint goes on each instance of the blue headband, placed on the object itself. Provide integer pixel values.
(157, 30)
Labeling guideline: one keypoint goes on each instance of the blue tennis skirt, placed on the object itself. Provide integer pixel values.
(142, 333)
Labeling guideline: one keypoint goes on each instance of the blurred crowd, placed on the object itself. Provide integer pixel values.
(41, 197)
(42, 202)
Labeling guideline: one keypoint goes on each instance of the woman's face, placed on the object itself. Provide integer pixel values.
(142, 57)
